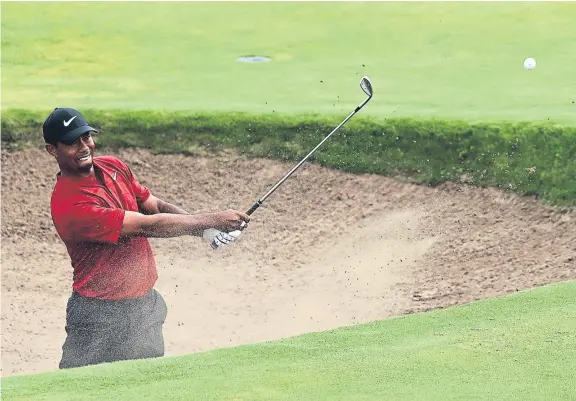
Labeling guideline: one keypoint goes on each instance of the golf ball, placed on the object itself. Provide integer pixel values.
(529, 63)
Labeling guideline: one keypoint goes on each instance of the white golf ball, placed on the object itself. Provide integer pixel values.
(529, 63)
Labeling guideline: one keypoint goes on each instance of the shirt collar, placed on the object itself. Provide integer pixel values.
(88, 181)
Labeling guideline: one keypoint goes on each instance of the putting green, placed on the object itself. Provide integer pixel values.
(460, 60)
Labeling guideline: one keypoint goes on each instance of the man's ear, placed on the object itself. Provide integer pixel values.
(50, 149)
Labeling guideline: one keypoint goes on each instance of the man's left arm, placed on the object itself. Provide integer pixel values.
(150, 204)
(155, 205)
(147, 202)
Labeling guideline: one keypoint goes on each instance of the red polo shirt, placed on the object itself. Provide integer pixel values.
(88, 217)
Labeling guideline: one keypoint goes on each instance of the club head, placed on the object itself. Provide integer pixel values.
(366, 86)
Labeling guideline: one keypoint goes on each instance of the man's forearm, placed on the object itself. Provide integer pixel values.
(165, 207)
(162, 225)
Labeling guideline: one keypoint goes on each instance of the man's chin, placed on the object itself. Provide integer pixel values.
(85, 168)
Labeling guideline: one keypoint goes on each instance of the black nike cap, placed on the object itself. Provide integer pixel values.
(65, 125)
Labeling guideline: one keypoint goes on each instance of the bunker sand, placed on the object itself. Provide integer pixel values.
(327, 249)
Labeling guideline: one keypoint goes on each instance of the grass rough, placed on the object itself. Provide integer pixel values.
(532, 159)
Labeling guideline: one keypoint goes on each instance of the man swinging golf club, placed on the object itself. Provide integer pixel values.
(105, 216)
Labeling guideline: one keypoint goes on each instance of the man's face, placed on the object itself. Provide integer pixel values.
(74, 158)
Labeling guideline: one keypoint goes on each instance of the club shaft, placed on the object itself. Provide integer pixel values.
(297, 166)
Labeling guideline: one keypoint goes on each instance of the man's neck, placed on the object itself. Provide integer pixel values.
(77, 174)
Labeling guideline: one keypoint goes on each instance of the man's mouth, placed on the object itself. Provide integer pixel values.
(84, 158)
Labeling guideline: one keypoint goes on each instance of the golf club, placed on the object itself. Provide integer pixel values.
(366, 86)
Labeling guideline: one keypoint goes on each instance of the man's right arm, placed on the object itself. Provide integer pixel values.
(166, 225)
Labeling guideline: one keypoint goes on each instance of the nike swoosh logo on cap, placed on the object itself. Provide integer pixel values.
(67, 123)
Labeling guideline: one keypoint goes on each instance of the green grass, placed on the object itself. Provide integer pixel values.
(427, 61)
(520, 347)
(528, 159)
(440, 60)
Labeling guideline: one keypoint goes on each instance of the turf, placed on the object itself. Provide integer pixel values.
(442, 60)
(520, 347)
(431, 60)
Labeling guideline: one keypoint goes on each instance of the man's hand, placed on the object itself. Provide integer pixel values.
(227, 227)
(229, 220)
(218, 238)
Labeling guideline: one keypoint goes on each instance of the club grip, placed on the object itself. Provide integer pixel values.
(253, 208)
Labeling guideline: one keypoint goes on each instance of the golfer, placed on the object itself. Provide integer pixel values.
(105, 216)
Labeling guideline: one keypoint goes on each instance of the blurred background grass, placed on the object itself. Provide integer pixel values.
(442, 60)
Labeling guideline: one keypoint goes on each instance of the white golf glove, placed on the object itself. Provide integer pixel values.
(218, 238)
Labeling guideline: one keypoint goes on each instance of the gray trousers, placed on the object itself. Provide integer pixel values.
(100, 331)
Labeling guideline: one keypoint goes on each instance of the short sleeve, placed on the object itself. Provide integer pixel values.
(141, 192)
(93, 223)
